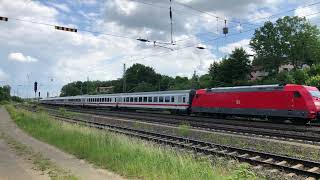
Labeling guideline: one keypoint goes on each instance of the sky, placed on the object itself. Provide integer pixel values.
(31, 49)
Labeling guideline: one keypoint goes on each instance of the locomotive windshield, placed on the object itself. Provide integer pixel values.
(315, 94)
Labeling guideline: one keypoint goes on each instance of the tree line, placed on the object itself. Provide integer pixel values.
(289, 40)
(5, 95)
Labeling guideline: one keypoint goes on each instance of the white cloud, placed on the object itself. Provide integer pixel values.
(62, 7)
(311, 12)
(242, 43)
(21, 58)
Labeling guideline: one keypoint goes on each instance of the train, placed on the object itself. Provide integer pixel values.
(297, 103)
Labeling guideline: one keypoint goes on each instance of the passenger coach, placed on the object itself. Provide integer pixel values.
(172, 100)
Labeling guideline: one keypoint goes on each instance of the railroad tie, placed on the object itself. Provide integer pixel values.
(232, 153)
(244, 155)
(257, 167)
(213, 149)
(297, 166)
(223, 151)
(281, 163)
(255, 158)
(205, 148)
(196, 146)
(314, 169)
(268, 160)
(311, 178)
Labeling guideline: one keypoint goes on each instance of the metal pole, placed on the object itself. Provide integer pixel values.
(170, 13)
(124, 78)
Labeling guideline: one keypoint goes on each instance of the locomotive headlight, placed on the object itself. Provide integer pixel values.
(317, 103)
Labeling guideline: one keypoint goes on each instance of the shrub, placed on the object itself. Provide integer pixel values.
(314, 81)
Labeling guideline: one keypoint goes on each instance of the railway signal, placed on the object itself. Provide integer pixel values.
(35, 87)
(3, 18)
(65, 29)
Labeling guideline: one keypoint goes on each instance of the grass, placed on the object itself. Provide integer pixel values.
(126, 156)
(184, 130)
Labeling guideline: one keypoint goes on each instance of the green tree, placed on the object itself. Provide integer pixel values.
(205, 81)
(139, 73)
(289, 40)
(4, 95)
(233, 70)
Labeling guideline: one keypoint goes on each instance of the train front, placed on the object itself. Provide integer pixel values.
(315, 93)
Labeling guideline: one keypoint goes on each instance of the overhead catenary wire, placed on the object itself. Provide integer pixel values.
(79, 29)
(120, 36)
(222, 19)
(209, 40)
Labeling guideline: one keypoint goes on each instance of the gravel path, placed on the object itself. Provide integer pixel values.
(14, 167)
(79, 168)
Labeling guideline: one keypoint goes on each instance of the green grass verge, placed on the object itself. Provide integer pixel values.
(126, 156)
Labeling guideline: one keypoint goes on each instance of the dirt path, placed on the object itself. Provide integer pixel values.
(14, 167)
(79, 168)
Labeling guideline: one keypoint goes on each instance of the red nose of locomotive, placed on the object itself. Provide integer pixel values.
(316, 100)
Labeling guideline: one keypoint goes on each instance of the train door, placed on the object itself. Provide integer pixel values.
(297, 98)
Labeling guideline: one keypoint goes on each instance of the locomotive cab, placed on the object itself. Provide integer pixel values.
(315, 93)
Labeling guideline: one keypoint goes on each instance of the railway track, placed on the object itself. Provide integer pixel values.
(292, 166)
(264, 130)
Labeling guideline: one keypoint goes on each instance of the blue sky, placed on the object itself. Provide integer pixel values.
(35, 52)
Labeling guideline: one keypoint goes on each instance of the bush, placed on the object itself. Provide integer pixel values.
(314, 81)
(299, 76)
(285, 78)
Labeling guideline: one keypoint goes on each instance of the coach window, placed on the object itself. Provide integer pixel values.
(161, 99)
(149, 99)
(145, 99)
(172, 98)
(183, 99)
(296, 94)
(135, 99)
(155, 99)
(127, 99)
(167, 99)
(131, 99)
(140, 99)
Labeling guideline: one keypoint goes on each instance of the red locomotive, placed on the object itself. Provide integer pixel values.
(291, 101)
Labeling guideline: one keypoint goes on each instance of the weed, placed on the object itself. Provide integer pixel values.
(184, 129)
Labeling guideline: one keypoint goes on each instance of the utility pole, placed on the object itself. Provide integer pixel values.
(87, 84)
(170, 13)
(124, 78)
